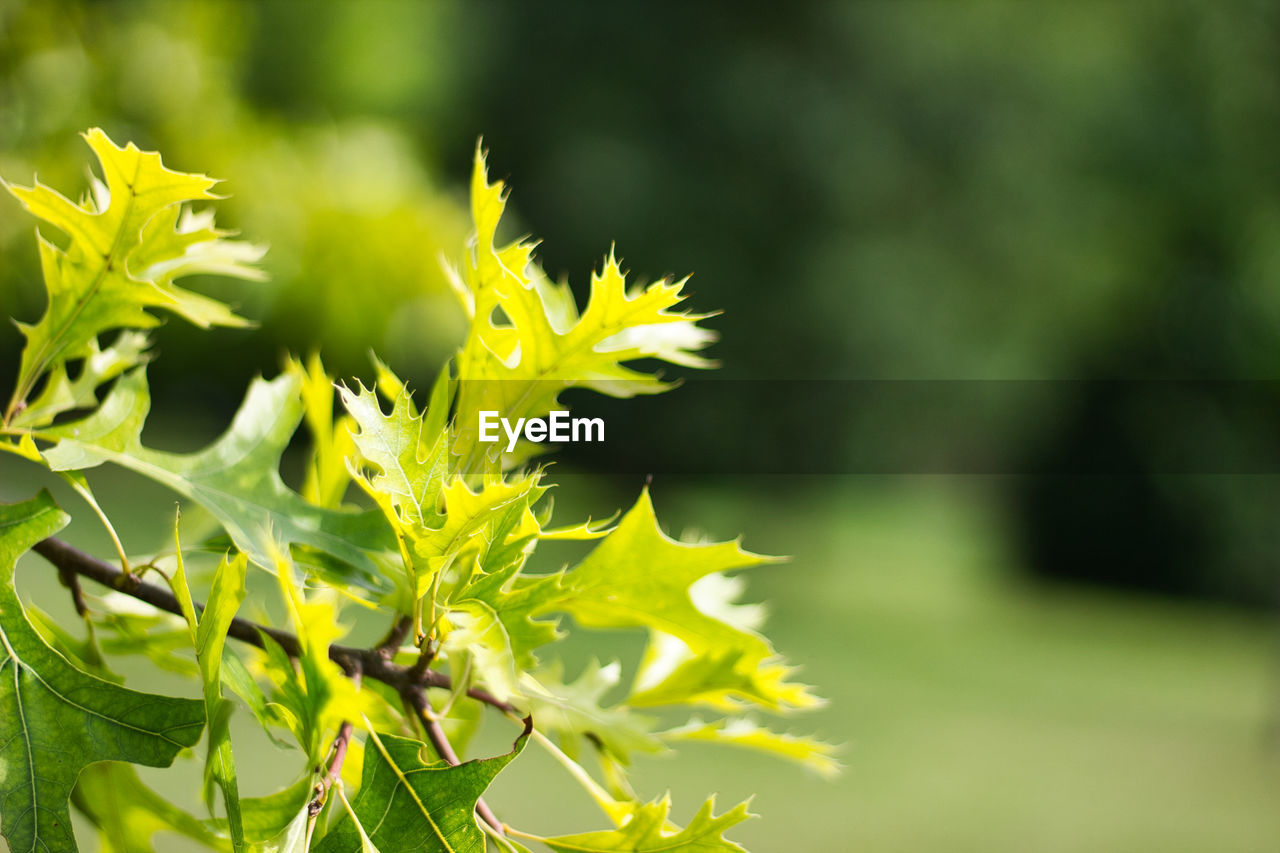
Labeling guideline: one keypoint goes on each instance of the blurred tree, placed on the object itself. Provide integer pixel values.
(346, 198)
(988, 190)
(985, 190)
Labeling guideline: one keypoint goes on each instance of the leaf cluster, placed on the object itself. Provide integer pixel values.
(404, 514)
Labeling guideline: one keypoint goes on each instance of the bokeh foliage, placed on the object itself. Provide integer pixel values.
(873, 190)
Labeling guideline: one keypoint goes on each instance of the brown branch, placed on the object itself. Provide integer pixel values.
(375, 663)
(410, 682)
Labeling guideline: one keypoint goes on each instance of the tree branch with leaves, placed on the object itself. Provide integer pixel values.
(403, 510)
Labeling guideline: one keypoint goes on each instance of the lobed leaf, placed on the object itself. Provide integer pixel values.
(472, 516)
(576, 709)
(515, 600)
(55, 719)
(409, 466)
(129, 241)
(518, 364)
(747, 733)
(61, 394)
(639, 577)
(648, 831)
(406, 804)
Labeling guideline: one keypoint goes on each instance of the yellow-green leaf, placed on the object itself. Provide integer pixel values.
(61, 394)
(648, 831)
(331, 445)
(639, 577)
(518, 365)
(209, 636)
(576, 709)
(409, 466)
(748, 734)
(129, 240)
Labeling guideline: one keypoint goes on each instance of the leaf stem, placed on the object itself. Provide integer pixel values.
(614, 809)
(77, 482)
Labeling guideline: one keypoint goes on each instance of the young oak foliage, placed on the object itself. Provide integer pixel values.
(131, 238)
(435, 540)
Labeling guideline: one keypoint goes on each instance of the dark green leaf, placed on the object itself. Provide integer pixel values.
(407, 805)
(55, 720)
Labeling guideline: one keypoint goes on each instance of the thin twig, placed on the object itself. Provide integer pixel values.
(334, 771)
(71, 581)
(372, 663)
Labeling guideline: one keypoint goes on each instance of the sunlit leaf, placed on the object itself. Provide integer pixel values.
(208, 632)
(515, 600)
(648, 831)
(747, 733)
(313, 696)
(129, 240)
(639, 577)
(518, 365)
(61, 394)
(331, 445)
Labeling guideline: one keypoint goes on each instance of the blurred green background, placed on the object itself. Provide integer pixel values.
(879, 191)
